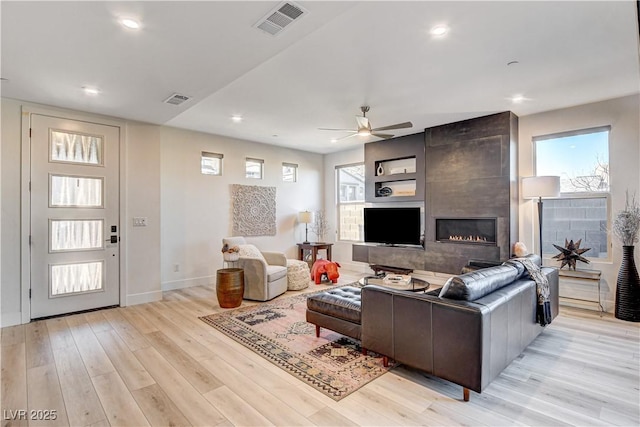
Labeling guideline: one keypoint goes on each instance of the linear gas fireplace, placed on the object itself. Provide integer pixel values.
(479, 231)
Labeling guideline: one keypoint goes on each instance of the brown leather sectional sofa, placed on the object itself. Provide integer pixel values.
(467, 336)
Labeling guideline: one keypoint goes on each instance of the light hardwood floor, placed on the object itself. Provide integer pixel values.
(158, 364)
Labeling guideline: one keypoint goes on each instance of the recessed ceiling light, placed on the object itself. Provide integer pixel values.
(334, 140)
(90, 90)
(236, 118)
(130, 23)
(518, 99)
(439, 30)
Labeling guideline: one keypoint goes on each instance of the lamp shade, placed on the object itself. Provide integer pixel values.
(540, 186)
(305, 217)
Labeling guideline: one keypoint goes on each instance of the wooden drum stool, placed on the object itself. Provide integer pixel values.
(230, 287)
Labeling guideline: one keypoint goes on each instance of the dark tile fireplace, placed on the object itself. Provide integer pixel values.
(478, 231)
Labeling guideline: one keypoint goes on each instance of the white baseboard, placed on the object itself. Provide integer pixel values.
(11, 319)
(188, 283)
(357, 267)
(587, 305)
(144, 297)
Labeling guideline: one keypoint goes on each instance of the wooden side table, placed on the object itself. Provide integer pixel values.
(230, 287)
(313, 249)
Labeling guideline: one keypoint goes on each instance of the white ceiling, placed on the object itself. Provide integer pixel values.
(321, 68)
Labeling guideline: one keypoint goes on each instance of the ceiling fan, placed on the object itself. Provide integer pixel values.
(364, 127)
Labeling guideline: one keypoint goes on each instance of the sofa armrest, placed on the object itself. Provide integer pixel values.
(275, 258)
(255, 270)
(377, 320)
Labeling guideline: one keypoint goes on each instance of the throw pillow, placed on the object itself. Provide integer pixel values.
(474, 285)
(445, 287)
(250, 251)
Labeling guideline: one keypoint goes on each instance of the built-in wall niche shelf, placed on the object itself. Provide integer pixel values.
(394, 169)
(401, 188)
(395, 166)
(581, 288)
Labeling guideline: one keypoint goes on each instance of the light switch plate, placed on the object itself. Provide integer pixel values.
(139, 221)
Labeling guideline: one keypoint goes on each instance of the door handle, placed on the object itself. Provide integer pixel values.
(112, 239)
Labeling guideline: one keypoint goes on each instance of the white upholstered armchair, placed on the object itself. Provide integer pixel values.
(265, 273)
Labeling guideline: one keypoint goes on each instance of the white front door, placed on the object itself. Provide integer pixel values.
(74, 216)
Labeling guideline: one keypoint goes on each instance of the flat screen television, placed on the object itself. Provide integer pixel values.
(392, 226)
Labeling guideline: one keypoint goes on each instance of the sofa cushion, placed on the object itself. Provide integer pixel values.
(343, 303)
(476, 284)
(275, 272)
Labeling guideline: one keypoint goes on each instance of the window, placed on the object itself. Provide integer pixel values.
(289, 172)
(211, 163)
(581, 159)
(350, 190)
(254, 168)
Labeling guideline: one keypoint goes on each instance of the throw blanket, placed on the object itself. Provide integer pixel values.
(543, 311)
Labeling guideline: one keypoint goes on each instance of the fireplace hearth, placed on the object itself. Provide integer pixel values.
(473, 231)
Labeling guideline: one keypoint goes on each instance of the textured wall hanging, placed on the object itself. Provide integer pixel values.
(254, 210)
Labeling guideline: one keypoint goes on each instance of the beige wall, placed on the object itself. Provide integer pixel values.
(196, 208)
(187, 213)
(140, 194)
(142, 197)
(10, 225)
(341, 251)
(623, 114)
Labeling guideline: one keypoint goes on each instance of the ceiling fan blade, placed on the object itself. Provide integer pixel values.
(382, 135)
(345, 137)
(363, 122)
(341, 130)
(396, 126)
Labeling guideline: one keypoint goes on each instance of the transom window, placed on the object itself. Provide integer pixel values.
(211, 163)
(254, 168)
(581, 160)
(289, 172)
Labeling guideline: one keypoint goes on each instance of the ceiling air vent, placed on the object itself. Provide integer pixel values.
(176, 99)
(276, 20)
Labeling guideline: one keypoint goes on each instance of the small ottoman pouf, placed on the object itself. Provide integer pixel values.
(298, 275)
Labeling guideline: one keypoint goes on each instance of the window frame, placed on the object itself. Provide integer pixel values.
(340, 203)
(260, 162)
(211, 155)
(568, 195)
(294, 166)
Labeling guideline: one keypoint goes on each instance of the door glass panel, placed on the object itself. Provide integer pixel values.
(75, 191)
(71, 147)
(76, 278)
(73, 235)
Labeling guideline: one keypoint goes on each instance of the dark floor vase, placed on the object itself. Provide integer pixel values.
(628, 288)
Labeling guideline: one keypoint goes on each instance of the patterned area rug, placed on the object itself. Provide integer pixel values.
(277, 331)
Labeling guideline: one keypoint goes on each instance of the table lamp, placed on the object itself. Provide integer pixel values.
(305, 218)
(537, 187)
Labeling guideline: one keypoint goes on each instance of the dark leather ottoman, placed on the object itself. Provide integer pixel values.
(336, 309)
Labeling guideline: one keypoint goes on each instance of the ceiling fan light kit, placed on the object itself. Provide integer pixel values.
(364, 127)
